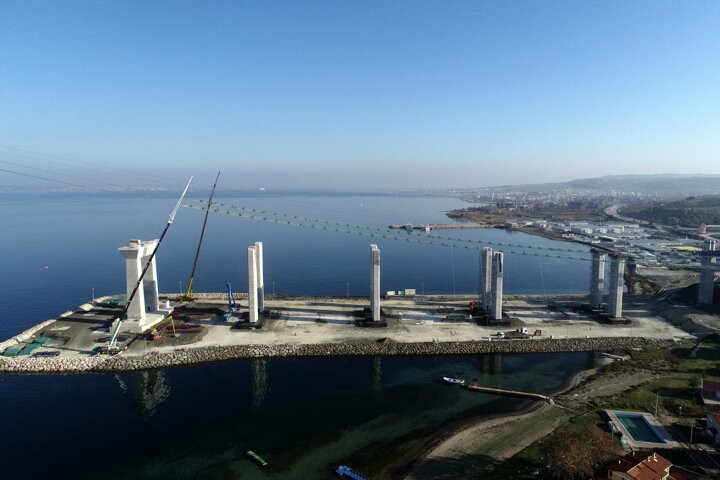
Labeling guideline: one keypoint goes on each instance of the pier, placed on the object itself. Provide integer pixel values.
(513, 393)
(436, 226)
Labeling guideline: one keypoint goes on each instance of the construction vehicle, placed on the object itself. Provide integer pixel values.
(153, 335)
(232, 306)
(517, 334)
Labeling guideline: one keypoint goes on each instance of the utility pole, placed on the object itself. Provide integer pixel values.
(692, 427)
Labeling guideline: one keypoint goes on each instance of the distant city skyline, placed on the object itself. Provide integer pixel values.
(356, 95)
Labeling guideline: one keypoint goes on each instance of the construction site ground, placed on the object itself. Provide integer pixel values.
(333, 320)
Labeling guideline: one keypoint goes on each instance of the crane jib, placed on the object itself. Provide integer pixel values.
(112, 343)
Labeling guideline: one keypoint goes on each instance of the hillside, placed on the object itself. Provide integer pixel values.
(664, 186)
(690, 212)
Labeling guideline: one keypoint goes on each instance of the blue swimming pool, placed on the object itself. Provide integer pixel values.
(639, 428)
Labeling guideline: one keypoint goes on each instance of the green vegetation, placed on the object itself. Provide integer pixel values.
(577, 454)
(690, 212)
(675, 379)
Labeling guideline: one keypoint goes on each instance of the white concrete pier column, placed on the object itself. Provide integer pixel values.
(597, 278)
(137, 253)
(486, 278)
(706, 289)
(252, 286)
(150, 284)
(375, 282)
(260, 279)
(617, 283)
(497, 285)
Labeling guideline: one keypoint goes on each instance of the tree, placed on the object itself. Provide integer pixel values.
(573, 455)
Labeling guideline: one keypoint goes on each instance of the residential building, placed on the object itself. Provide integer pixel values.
(640, 466)
(710, 392)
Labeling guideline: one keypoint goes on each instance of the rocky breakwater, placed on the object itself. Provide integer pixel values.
(380, 347)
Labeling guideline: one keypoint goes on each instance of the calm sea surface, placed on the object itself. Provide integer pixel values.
(303, 415)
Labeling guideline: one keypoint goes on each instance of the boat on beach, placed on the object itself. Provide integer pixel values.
(455, 381)
(257, 458)
(345, 471)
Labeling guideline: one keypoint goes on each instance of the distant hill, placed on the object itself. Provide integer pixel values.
(689, 212)
(669, 185)
(661, 186)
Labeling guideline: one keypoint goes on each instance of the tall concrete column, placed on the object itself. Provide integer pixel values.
(375, 282)
(150, 284)
(597, 278)
(486, 278)
(617, 282)
(252, 286)
(497, 285)
(706, 288)
(137, 253)
(260, 280)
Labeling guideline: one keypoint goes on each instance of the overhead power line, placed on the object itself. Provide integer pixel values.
(44, 170)
(54, 180)
(79, 164)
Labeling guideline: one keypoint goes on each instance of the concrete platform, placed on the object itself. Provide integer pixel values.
(332, 320)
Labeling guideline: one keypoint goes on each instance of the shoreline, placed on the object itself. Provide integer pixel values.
(332, 327)
(214, 353)
(447, 444)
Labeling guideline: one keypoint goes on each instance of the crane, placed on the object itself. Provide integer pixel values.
(111, 347)
(188, 293)
(232, 305)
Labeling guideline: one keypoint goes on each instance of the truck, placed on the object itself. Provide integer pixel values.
(517, 334)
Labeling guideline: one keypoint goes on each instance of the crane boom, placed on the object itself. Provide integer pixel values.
(188, 293)
(112, 345)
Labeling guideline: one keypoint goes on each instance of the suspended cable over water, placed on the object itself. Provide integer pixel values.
(385, 233)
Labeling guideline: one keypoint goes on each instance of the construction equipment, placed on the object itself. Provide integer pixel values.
(111, 347)
(188, 293)
(232, 306)
(153, 335)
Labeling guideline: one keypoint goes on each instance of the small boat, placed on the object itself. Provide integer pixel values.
(457, 381)
(345, 471)
(257, 458)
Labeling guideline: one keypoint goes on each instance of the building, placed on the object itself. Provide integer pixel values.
(640, 466)
(710, 392)
(712, 429)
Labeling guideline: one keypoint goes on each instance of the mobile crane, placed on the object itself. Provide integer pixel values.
(111, 347)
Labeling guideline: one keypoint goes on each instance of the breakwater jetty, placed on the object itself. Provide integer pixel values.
(322, 326)
(215, 353)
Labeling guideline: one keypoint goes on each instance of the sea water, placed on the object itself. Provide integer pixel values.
(303, 415)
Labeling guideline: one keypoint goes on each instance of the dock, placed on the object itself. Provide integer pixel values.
(513, 393)
(436, 226)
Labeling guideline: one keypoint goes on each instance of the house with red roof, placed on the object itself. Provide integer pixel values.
(640, 466)
(710, 392)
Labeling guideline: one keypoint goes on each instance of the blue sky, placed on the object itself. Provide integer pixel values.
(361, 95)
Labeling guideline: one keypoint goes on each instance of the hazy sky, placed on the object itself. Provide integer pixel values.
(344, 94)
